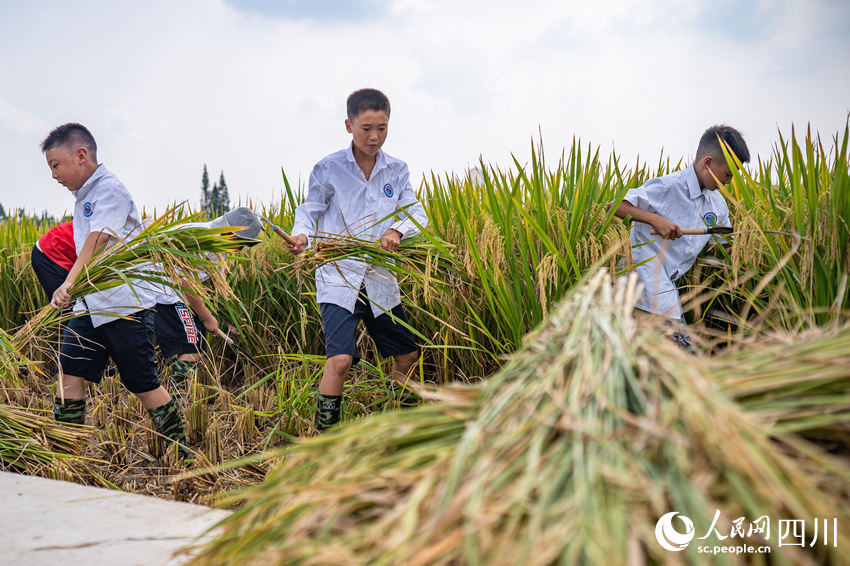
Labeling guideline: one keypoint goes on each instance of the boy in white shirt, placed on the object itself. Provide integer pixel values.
(104, 213)
(356, 191)
(687, 198)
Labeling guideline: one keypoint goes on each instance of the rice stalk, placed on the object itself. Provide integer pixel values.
(570, 454)
(32, 443)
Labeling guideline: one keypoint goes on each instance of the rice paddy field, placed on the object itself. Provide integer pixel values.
(556, 425)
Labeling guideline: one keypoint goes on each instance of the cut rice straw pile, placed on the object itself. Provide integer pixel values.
(596, 428)
(32, 443)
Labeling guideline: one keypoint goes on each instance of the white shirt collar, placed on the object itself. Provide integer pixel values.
(380, 159)
(694, 189)
(97, 174)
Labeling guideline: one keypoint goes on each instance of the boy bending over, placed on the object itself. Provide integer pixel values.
(688, 198)
(104, 212)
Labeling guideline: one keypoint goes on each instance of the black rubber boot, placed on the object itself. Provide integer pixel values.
(181, 370)
(328, 410)
(168, 422)
(71, 411)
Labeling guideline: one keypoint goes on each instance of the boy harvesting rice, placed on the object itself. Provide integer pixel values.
(663, 205)
(356, 191)
(118, 323)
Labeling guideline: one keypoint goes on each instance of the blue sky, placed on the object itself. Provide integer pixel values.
(250, 87)
(321, 10)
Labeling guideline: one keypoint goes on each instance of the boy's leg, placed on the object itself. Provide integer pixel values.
(402, 364)
(154, 398)
(82, 356)
(131, 346)
(73, 408)
(183, 367)
(329, 396)
(340, 327)
(334, 374)
(395, 340)
(180, 334)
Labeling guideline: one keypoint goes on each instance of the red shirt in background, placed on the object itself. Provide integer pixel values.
(58, 245)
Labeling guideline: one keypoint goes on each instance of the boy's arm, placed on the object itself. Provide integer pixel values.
(308, 212)
(666, 229)
(95, 242)
(200, 308)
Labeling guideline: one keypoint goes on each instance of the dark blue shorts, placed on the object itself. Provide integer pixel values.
(178, 330)
(340, 328)
(129, 342)
(49, 273)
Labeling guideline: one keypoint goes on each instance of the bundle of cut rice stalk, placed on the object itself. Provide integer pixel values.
(424, 259)
(32, 443)
(163, 254)
(571, 454)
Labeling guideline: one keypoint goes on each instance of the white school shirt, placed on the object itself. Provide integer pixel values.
(678, 198)
(341, 201)
(103, 204)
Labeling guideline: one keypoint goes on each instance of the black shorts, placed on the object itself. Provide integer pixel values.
(129, 342)
(178, 330)
(340, 327)
(49, 273)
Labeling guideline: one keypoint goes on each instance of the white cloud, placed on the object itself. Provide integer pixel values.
(19, 121)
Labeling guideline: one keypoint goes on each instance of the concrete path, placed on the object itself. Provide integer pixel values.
(56, 523)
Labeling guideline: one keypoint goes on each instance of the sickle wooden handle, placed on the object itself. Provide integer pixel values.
(289, 239)
(688, 231)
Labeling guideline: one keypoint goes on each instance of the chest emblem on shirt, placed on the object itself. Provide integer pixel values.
(88, 209)
(710, 219)
(388, 190)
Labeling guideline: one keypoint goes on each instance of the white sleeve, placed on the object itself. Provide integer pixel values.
(315, 203)
(643, 197)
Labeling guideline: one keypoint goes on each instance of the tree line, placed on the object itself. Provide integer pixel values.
(216, 200)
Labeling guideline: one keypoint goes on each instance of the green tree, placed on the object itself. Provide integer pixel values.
(205, 190)
(215, 200)
(223, 196)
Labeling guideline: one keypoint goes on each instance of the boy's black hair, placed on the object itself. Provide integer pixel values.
(709, 143)
(70, 134)
(366, 99)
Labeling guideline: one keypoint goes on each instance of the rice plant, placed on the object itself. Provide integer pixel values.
(503, 246)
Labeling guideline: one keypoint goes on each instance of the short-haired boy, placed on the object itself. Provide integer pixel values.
(104, 213)
(356, 191)
(687, 198)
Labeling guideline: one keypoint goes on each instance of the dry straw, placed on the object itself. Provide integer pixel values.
(570, 454)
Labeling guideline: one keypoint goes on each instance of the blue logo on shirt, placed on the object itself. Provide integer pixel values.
(88, 209)
(388, 190)
(710, 219)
